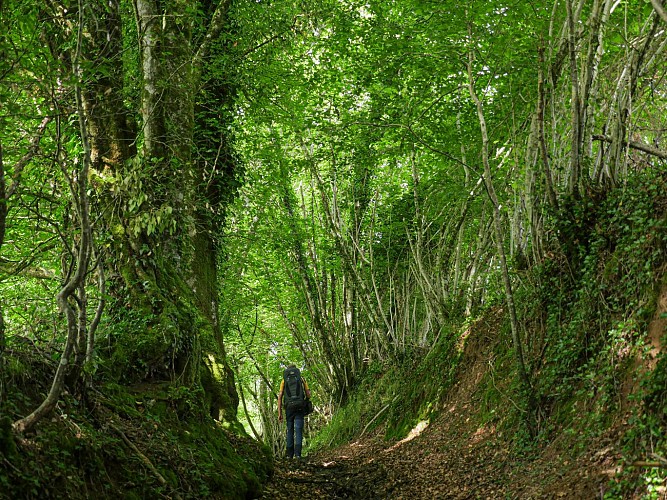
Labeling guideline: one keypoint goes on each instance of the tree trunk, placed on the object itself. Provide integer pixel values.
(149, 22)
(162, 265)
(574, 176)
(660, 9)
(3, 218)
(551, 192)
(306, 284)
(500, 248)
(624, 100)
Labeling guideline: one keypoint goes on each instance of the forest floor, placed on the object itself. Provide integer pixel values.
(449, 459)
(456, 457)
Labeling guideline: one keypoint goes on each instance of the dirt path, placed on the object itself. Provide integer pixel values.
(450, 460)
(456, 457)
(453, 457)
(410, 469)
(321, 479)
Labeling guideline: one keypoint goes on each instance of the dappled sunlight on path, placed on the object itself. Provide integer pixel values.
(451, 459)
(460, 454)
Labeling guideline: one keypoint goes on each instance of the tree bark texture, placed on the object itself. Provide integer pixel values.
(162, 266)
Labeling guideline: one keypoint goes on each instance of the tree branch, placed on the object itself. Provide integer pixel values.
(32, 151)
(639, 146)
(214, 29)
(268, 40)
(645, 463)
(24, 266)
(143, 458)
(377, 415)
(420, 140)
(80, 198)
(657, 5)
(247, 413)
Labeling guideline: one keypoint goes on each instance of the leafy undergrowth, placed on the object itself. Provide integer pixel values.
(149, 441)
(469, 443)
(395, 399)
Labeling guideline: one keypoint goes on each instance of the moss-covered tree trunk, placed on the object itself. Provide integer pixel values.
(161, 259)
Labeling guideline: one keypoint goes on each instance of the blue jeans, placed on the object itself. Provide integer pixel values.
(294, 430)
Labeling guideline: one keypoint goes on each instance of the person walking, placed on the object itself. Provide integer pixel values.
(294, 392)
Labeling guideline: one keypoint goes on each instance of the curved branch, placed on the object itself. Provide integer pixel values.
(80, 197)
(90, 344)
(32, 151)
(421, 141)
(146, 461)
(639, 146)
(214, 29)
(247, 413)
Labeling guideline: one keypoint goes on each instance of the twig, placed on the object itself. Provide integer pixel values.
(659, 458)
(306, 480)
(493, 382)
(645, 463)
(635, 145)
(143, 458)
(11, 465)
(376, 416)
(657, 5)
(33, 149)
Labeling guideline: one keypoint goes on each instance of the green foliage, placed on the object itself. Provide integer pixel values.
(599, 299)
(395, 398)
(645, 437)
(499, 386)
(153, 327)
(421, 385)
(586, 311)
(139, 349)
(654, 390)
(357, 144)
(145, 191)
(345, 424)
(373, 398)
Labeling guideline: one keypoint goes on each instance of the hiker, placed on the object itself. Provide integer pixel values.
(296, 392)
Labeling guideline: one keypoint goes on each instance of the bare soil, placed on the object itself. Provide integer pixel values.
(451, 458)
